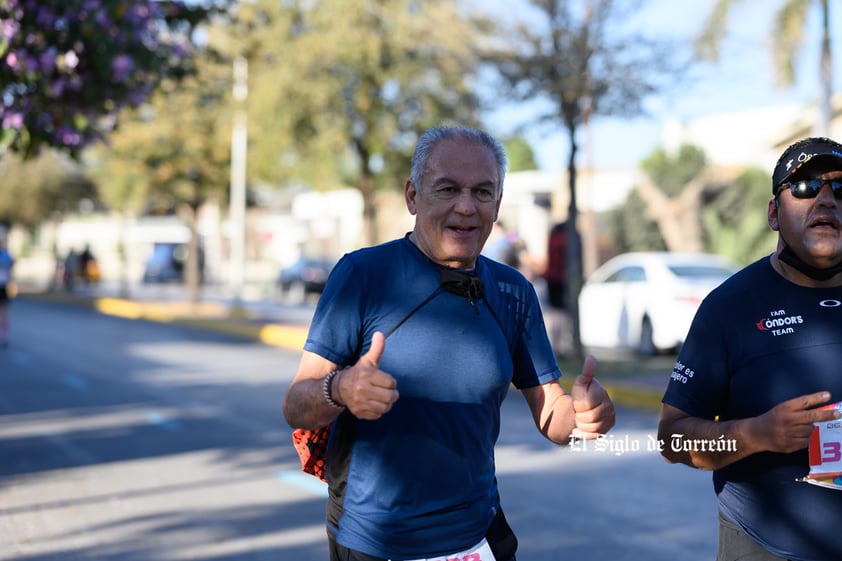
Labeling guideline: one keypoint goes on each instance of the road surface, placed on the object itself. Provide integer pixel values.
(136, 441)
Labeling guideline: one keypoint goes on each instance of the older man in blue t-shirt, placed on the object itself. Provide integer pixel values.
(412, 348)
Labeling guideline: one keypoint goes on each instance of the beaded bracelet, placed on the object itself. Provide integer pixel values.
(326, 390)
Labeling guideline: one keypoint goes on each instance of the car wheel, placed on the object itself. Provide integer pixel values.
(646, 345)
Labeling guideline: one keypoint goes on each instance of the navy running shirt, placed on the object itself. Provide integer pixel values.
(420, 481)
(756, 341)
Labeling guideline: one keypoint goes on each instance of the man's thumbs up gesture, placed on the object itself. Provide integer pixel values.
(592, 406)
(364, 389)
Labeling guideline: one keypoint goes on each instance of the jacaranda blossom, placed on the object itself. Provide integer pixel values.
(68, 67)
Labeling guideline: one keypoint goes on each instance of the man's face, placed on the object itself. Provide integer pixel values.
(811, 227)
(457, 202)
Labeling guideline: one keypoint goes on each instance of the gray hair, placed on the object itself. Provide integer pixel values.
(430, 138)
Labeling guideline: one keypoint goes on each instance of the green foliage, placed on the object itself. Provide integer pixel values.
(733, 217)
(735, 222)
(174, 151)
(35, 190)
(786, 36)
(671, 172)
(631, 228)
(340, 89)
(520, 153)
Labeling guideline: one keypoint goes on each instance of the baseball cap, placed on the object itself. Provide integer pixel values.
(803, 156)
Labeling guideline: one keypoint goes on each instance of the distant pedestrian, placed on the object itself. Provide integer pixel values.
(6, 265)
(556, 271)
(555, 278)
(71, 264)
(88, 266)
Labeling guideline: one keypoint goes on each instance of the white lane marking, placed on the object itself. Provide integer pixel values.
(160, 420)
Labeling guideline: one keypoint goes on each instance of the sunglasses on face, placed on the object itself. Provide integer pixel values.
(809, 188)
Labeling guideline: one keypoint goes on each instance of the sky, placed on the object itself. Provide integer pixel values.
(744, 78)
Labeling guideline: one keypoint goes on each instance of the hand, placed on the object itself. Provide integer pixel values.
(364, 389)
(787, 426)
(593, 408)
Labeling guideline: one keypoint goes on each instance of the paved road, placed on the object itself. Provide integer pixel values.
(134, 441)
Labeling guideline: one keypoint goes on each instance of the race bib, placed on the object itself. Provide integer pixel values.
(480, 552)
(826, 452)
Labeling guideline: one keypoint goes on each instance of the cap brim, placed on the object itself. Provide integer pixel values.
(829, 162)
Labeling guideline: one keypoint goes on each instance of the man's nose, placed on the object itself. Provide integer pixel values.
(465, 202)
(825, 196)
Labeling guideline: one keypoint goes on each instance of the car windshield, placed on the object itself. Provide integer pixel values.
(700, 271)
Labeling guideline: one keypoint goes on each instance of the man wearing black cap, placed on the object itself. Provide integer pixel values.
(763, 353)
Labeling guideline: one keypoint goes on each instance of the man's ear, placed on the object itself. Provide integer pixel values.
(772, 214)
(409, 193)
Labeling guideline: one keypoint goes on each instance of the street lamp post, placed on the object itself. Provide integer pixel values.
(237, 214)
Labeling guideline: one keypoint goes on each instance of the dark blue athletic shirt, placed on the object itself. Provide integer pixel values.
(420, 481)
(758, 340)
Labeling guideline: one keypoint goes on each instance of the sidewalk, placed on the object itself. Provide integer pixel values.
(262, 319)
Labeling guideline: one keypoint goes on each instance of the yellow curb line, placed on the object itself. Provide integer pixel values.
(284, 336)
(634, 397)
(276, 335)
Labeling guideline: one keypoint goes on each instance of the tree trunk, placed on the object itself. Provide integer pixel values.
(574, 250)
(825, 75)
(189, 214)
(678, 219)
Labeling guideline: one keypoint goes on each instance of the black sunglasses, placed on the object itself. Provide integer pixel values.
(809, 188)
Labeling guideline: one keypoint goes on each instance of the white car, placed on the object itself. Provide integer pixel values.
(646, 300)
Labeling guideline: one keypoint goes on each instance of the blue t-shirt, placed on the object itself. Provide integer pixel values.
(756, 341)
(420, 481)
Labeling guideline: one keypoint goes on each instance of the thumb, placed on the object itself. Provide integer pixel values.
(375, 351)
(583, 380)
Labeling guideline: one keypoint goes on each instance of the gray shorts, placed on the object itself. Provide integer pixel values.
(736, 545)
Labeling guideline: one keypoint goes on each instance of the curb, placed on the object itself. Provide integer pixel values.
(209, 316)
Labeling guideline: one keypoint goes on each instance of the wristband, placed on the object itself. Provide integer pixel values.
(326, 390)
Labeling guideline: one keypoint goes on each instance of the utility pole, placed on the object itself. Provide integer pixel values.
(237, 213)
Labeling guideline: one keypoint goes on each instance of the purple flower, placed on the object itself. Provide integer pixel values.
(68, 67)
(12, 120)
(8, 29)
(67, 136)
(122, 66)
(45, 17)
(48, 60)
(57, 87)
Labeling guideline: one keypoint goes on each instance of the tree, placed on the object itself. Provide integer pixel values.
(358, 78)
(172, 154)
(576, 57)
(735, 221)
(673, 192)
(630, 228)
(68, 68)
(520, 154)
(787, 39)
(683, 205)
(38, 189)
